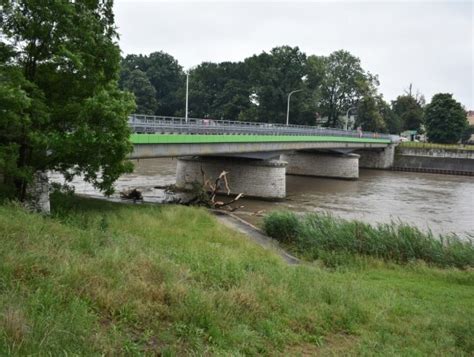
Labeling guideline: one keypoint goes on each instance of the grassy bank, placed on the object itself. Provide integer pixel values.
(101, 278)
(322, 236)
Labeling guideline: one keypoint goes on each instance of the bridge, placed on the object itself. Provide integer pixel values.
(257, 155)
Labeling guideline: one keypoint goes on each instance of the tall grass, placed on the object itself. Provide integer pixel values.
(98, 278)
(316, 235)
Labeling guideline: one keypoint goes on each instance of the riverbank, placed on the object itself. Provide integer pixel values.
(435, 158)
(104, 278)
(338, 241)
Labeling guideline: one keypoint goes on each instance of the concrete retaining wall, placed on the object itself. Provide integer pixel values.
(322, 164)
(254, 178)
(455, 162)
(377, 158)
(455, 154)
(446, 165)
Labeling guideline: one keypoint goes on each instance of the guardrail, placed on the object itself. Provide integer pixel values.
(150, 124)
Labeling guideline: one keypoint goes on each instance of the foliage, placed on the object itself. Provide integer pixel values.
(61, 108)
(410, 111)
(257, 88)
(138, 83)
(273, 76)
(319, 234)
(368, 115)
(164, 74)
(467, 134)
(446, 120)
(99, 278)
(343, 83)
(392, 121)
(218, 91)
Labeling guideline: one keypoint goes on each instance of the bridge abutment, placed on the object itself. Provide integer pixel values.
(377, 158)
(345, 166)
(254, 178)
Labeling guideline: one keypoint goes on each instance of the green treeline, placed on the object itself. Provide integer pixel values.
(322, 236)
(257, 88)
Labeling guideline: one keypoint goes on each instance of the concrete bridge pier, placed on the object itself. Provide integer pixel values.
(381, 158)
(345, 166)
(254, 178)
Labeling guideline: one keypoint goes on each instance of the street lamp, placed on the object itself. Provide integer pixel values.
(288, 106)
(187, 94)
(347, 116)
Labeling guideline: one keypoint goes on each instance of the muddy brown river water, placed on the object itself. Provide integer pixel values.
(442, 203)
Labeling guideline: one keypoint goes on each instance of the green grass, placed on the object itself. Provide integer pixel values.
(99, 278)
(419, 145)
(322, 236)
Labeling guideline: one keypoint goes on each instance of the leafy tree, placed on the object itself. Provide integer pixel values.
(467, 134)
(446, 119)
(273, 76)
(219, 91)
(392, 121)
(145, 94)
(410, 111)
(343, 83)
(368, 115)
(60, 103)
(164, 74)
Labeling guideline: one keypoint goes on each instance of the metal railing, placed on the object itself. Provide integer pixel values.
(150, 124)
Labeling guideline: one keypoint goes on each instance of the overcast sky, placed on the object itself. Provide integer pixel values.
(427, 43)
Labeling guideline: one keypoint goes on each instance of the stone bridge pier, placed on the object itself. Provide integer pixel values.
(253, 177)
(381, 158)
(322, 164)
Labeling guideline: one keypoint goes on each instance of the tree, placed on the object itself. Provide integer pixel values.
(467, 134)
(343, 83)
(446, 119)
(145, 94)
(272, 76)
(392, 121)
(165, 75)
(219, 90)
(368, 115)
(409, 109)
(61, 106)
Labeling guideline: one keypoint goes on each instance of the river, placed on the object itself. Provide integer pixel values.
(440, 203)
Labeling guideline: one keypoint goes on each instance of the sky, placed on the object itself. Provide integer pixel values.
(427, 43)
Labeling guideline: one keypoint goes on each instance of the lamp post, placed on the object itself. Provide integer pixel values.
(187, 94)
(347, 116)
(288, 106)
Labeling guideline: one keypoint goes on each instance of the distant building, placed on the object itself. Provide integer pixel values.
(470, 117)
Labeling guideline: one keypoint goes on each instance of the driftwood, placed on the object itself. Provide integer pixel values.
(134, 195)
(211, 188)
(205, 193)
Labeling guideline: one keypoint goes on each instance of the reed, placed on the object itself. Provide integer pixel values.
(316, 235)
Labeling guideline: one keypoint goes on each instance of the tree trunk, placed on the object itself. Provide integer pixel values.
(37, 193)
